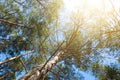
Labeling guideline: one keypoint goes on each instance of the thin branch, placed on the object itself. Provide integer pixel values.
(20, 3)
(14, 23)
(52, 56)
(23, 65)
(3, 76)
(60, 69)
(113, 7)
(7, 42)
(112, 31)
(7, 74)
(58, 76)
(54, 74)
(40, 3)
(13, 58)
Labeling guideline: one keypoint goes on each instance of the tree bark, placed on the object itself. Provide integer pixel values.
(38, 73)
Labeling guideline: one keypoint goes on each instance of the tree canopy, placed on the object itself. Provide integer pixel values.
(44, 40)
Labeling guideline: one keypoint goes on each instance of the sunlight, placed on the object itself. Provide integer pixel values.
(94, 3)
(93, 12)
(98, 9)
(72, 5)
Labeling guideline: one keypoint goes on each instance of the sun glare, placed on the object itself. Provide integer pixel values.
(90, 4)
(93, 11)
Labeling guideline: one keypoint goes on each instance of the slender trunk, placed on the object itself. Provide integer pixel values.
(38, 73)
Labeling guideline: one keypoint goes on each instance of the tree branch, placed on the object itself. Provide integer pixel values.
(23, 65)
(40, 3)
(13, 58)
(20, 3)
(14, 23)
(7, 42)
(112, 31)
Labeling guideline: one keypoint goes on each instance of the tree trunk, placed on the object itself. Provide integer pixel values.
(38, 73)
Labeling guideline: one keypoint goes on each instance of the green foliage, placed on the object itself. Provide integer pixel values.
(97, 69)
(111, 73)
(119, 59)
(64, 71)
(26, 24)
(33, 24)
